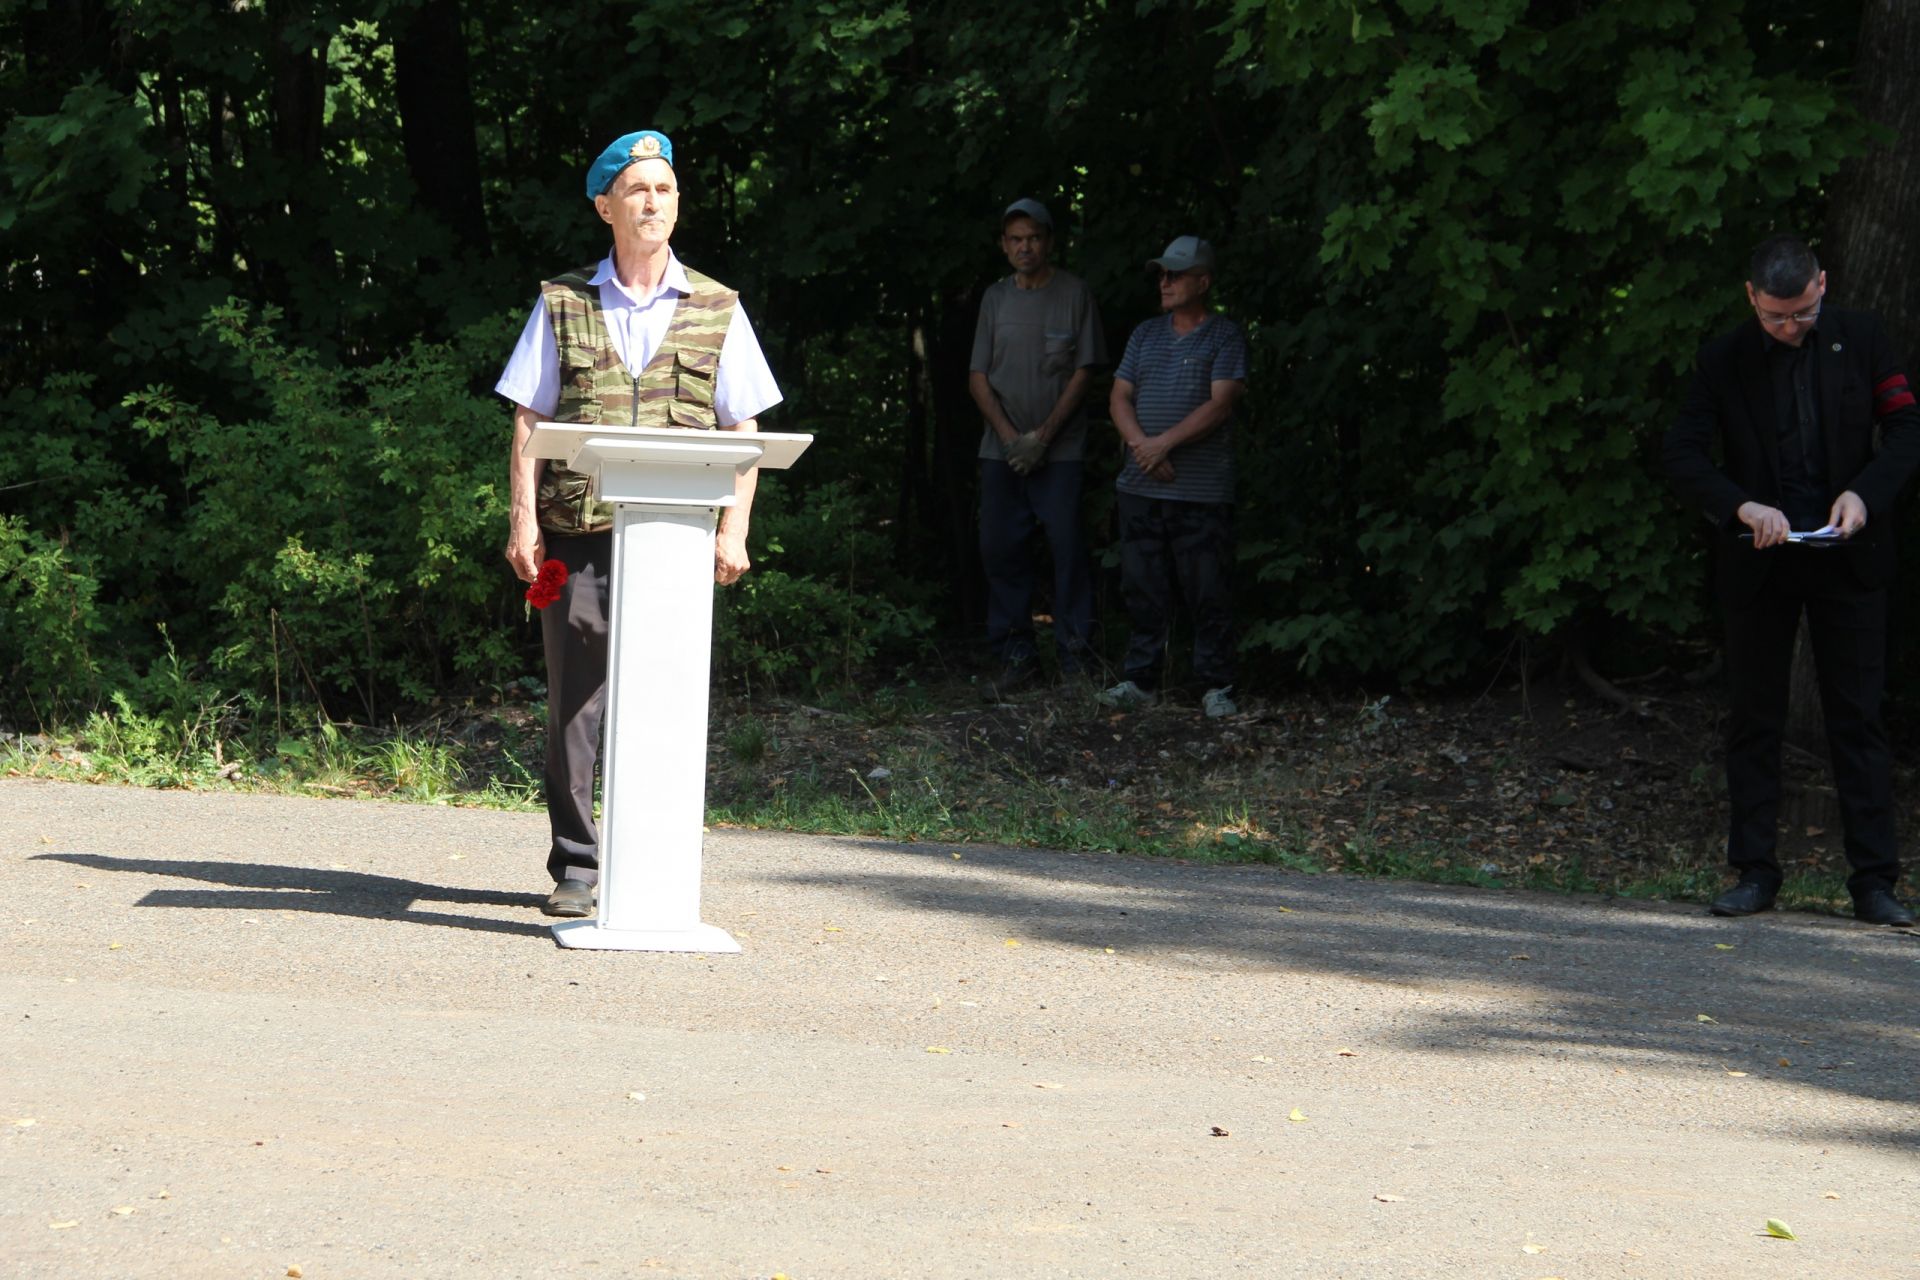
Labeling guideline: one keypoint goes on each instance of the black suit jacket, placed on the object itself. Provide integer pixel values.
(1731, 405)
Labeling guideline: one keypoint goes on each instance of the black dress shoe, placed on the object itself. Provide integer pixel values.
(1879, 906)
(570, 898)
(1744, 899)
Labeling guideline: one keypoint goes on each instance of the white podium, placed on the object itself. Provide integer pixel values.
(667, 487)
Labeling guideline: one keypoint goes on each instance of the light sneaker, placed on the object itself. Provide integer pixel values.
(1126, 696)
(1219, 702)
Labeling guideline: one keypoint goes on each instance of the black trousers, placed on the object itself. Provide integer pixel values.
(1011, 506)
(573, 630)
(1848, 627)
(1172, 552)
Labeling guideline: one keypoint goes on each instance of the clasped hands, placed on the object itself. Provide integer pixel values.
(1027, 452)
(1770, 527)
(1150, 455)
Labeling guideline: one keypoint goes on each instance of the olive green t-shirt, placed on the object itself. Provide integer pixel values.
(1029, 342)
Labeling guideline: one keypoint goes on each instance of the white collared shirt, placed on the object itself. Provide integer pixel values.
(743, 388)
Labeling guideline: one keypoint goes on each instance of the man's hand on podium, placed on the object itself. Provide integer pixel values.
(729, 558)
(525, 547)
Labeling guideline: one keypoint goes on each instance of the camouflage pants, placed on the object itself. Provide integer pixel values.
(1174, 553)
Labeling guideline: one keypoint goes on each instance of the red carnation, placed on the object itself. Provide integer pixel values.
(545, 588)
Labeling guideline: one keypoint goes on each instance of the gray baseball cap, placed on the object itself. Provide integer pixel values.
(1025, 208)
(1184, 254)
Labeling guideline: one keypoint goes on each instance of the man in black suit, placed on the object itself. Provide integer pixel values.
(1792, 397)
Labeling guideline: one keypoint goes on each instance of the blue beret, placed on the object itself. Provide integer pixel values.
(648, 144)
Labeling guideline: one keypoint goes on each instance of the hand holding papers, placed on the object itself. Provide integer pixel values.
(1825, 536)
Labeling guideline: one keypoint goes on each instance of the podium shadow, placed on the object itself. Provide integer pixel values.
(260, 886)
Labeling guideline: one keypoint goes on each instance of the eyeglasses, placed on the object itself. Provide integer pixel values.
(1773, 321)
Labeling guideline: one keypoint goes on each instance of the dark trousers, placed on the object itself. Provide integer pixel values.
(1011, 507)
(1848, 627)
(1172, 552)
(574, 633)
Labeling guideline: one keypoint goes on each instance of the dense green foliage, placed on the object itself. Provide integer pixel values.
(263, 261)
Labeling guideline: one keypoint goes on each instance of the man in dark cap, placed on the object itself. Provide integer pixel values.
(1173, 402)
(635, 340)
(1802, 509)
(1035, 347)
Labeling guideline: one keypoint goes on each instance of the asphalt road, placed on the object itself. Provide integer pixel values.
(248, 1034)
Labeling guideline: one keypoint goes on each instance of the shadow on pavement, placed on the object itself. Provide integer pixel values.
(257, 886)
(1524, 974)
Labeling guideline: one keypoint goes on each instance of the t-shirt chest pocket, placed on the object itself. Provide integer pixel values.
(1057, 353)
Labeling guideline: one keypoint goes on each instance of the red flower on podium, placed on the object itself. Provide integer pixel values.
(545, 588)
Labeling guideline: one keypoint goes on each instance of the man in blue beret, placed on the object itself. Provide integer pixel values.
(635, 340)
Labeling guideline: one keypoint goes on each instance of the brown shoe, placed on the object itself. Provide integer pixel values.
(570, 898)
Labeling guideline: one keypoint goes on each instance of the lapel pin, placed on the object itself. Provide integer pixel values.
(1836, 346)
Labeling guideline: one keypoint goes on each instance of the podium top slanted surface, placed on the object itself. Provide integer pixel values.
(562, 441)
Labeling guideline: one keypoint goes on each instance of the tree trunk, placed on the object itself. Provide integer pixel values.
(1869, 247)
(1870, 244)
(435, 93)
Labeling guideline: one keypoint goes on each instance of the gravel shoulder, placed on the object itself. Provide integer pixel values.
(253, 1033)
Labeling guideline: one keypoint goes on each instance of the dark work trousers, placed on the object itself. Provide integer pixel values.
(1170, 552)
(573, 630)
(1848, 627)
(1011, 506)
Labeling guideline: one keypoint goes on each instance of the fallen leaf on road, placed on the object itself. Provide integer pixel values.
(1345, 1053)
(61, 1226)
(1519, 957)
(636, 1096)
(295, 1272)
(1261, 1057)
(1780, 1230)
(1288, 910)
(1736, 1073)
(122, 1210)
(831, 928)
(785, 1168)
(1723, 946)
(1531, 1247)
(1109, 950)
(1384, 1198)
(956, 857)
(115, 946)
(938, 1048)
(161, 1194)
(1218, 1132)
(1012, 942)
(1701, 1017)
(1830, 1195)
(1296, 1115)
(1047, 1084)
(25, 1124)
(455, 857)
(1786, 1062)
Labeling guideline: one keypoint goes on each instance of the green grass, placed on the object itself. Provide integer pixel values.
(931, 793)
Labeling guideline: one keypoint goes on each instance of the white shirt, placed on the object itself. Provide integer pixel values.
(743, 388)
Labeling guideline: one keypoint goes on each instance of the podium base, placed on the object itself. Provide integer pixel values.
(587, 935)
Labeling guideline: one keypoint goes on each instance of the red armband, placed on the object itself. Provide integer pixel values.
(1891, 395)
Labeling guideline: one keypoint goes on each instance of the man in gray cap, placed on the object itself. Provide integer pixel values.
(1173, 400)
(1034, 350)
(635, 340)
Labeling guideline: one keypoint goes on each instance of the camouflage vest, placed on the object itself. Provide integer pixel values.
(674, 390)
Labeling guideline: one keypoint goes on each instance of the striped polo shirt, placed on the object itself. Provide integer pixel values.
(1172, 375)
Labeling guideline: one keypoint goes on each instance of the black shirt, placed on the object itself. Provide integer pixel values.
(1803, 453)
